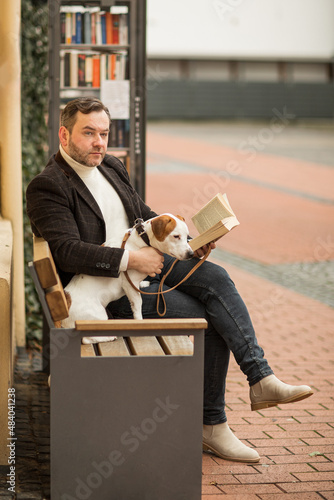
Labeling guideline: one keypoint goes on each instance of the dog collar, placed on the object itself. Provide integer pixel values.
(139, 226)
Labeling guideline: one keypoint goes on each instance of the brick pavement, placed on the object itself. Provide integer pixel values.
(285, 206)
(282, 249)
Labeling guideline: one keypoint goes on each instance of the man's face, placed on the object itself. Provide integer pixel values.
(87, 143)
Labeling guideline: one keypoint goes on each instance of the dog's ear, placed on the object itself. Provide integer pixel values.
(162, 226)
(181, 218)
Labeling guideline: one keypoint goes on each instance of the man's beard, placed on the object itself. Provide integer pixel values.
(84, 157)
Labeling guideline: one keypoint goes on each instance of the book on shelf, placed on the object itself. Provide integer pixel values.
(73, 69)
(89, 68)
(98, 29)
(89, 71)
(213, 221)
(103, 29)
(81, 70)
(78, 28)
(109, 28)
(119, 134)
(87, 27)
(68, 27)
(93, 26)
(115, 29)
(96, 71)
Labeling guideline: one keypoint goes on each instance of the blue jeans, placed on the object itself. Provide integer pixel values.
(211, 294)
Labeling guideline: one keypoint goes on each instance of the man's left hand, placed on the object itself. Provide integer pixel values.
(200, 252)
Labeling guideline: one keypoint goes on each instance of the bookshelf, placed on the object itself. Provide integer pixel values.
(98, 48)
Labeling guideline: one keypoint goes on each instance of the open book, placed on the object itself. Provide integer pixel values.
(214, 220)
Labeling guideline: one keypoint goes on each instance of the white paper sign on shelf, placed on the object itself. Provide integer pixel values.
(115, 94)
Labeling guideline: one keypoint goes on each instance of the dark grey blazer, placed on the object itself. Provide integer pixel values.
(63, 211)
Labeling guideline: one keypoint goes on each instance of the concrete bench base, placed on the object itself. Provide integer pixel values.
(126, 427)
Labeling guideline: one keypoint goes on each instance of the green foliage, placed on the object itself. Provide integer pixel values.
(34, 98)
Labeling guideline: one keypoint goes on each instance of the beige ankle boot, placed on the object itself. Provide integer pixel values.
(222, 442)
(270, 391)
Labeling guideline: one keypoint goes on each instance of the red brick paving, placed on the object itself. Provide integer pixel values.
(268, 219)
(296, 441)
(284, 172)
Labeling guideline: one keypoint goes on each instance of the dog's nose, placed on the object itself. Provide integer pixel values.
(190, 254)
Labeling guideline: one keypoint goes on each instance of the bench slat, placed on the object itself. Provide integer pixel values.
(87, 350)
(116, 348)
(49, 280)
(145, 346)
(142, 324)
(177, 346)
(44, 263)
(56, 300)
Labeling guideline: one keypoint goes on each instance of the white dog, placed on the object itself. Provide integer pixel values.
(88, 296)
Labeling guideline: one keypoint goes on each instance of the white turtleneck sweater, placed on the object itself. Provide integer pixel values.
(108, 201)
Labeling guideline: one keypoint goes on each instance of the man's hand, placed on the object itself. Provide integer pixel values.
(200, 252)
(147, 260)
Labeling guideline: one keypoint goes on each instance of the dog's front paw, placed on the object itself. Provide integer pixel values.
(144, 284)
(97, 340)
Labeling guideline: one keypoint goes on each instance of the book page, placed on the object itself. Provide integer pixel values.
(230, 222)
(214, 233)
(215, 210)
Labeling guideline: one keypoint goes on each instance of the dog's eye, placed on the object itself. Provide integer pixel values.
(177, 236)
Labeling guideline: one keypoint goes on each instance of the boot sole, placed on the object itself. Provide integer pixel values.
(220, 455)
(269, 404)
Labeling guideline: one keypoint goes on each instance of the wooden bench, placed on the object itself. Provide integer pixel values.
(126, 416)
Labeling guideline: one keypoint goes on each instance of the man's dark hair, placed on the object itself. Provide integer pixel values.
(85, 105)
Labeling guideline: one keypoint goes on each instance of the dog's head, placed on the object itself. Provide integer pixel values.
(170, 235)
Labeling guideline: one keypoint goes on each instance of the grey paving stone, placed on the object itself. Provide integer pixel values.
(314, 280)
